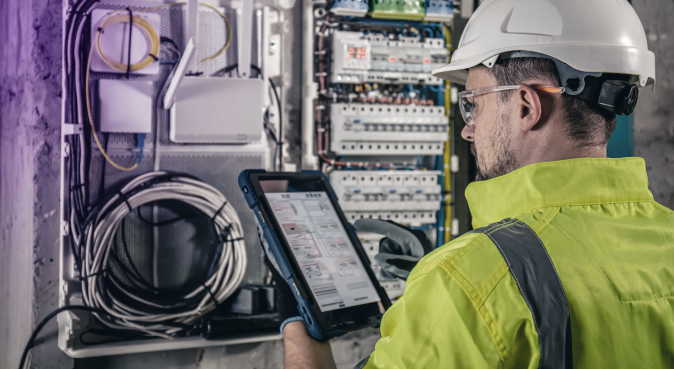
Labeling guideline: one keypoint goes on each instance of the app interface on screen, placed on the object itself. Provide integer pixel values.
(322, 249)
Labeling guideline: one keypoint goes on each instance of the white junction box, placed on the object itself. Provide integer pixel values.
(404, 196)
(375, 58)
(374, 129)
(217, 110)
(125, 106)
(115, 42)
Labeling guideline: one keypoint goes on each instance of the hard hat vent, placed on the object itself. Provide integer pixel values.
(535, 17)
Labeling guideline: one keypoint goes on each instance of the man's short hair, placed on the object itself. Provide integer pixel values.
(589, 125)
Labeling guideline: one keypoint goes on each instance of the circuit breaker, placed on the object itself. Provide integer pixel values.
(410, 197)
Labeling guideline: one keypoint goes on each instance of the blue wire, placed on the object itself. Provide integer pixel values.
(140, 143)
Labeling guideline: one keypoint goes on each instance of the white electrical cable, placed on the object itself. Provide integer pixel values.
(99, 238)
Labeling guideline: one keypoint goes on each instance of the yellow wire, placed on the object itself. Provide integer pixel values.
(154, 38)
(142, 24)
(447, 156)
(91, 120)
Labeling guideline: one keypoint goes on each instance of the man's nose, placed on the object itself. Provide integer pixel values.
(468, 132)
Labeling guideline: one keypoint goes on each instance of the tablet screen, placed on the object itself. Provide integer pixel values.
(321, 246)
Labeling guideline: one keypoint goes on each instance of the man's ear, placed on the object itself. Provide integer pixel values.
(528, 107)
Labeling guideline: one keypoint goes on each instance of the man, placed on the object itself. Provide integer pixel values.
(572, 261)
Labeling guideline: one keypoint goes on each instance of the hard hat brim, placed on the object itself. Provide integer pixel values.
(587, 58)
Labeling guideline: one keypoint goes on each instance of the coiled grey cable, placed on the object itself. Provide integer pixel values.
(98, 238)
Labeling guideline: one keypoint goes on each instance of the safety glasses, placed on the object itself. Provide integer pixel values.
(467, 98)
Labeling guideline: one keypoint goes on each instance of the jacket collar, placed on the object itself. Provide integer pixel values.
(584, 181)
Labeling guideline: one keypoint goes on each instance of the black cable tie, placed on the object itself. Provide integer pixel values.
(126, 201)
(100, 29)
(154, 57)
(94, 274)
(128, 56)
(211, 294)
(224, 235)
(219, 210)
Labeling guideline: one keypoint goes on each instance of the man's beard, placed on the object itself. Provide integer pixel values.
(501, 147)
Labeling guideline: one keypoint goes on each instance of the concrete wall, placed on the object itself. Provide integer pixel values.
(654, 120)
(30, 99)
(30, 76)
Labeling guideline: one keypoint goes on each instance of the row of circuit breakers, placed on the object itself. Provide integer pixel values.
(378, 58)
(401, 196)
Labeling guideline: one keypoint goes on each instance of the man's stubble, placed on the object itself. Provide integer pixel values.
(501, 148)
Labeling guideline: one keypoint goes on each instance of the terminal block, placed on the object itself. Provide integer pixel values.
(398, 9)
(378, 129)
(407, 197)
(352, 8)
(377, 58)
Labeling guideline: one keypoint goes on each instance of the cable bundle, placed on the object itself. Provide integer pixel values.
(134, 307)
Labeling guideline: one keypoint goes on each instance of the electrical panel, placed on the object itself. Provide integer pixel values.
(382, 119)
(382, 129)
(411, 197)
(376, 58)
(120, 137)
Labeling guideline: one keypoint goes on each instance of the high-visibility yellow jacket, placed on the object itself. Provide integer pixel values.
(611, 244)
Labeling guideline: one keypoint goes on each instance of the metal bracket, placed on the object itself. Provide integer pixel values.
(65, 228)
(68, 129)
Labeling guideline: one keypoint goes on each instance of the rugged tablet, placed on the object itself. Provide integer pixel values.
(305, 233)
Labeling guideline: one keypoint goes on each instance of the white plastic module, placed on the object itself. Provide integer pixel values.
(410, 197)
(370, 241)
(375, 129)
(361, 58)
(439, 11)
(352, 8)
(125, 106)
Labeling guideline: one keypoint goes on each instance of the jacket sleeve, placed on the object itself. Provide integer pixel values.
(434, 324)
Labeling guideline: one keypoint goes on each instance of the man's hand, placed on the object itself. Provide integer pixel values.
(304, 352)
(301, 351)
(402, 248)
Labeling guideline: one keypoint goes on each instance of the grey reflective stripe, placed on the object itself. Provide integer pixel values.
(362, 363)
(540, 287)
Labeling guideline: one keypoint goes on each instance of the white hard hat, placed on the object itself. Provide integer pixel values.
(591, 36)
